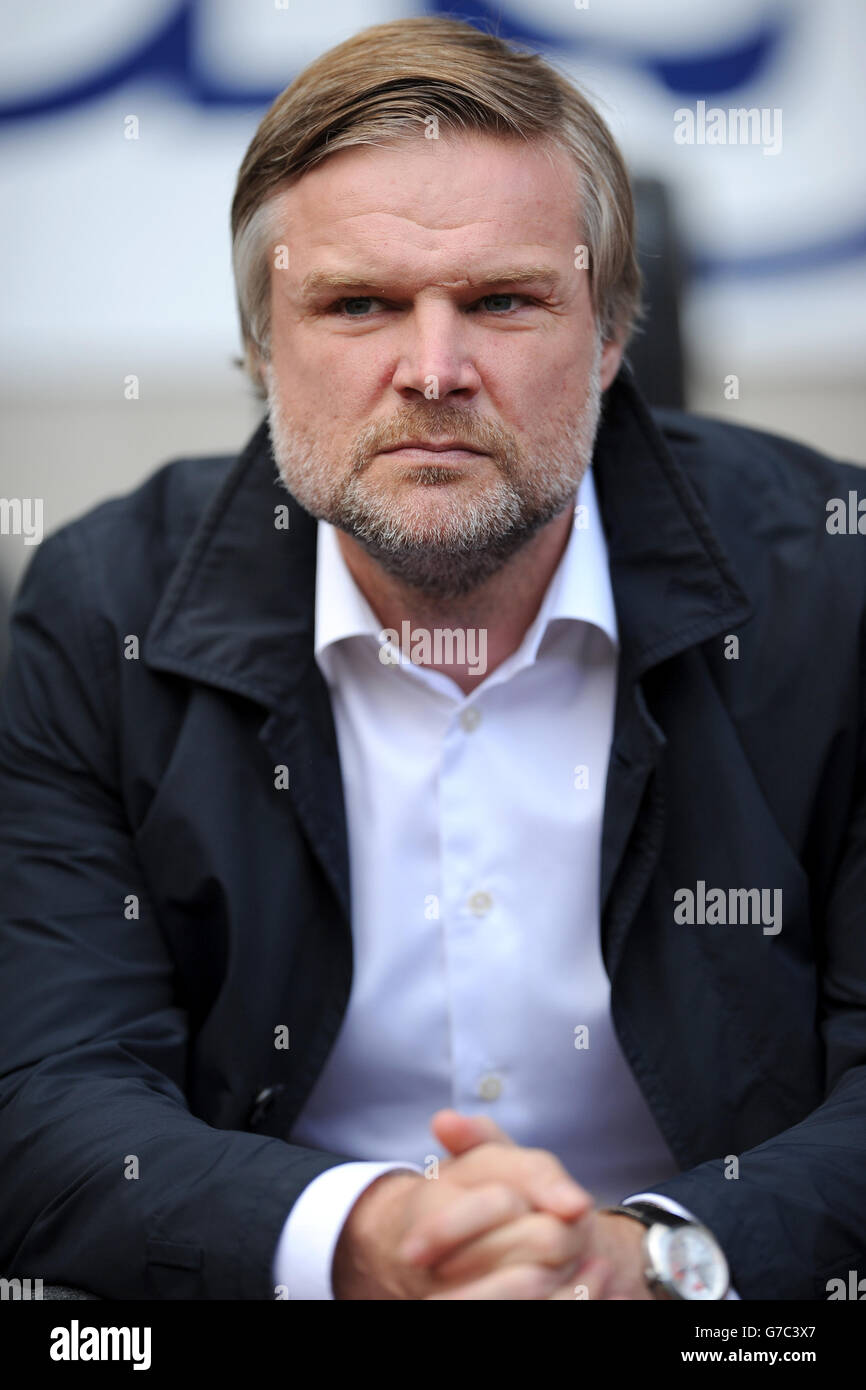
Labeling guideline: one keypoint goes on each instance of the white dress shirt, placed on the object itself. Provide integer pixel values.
(474, 826)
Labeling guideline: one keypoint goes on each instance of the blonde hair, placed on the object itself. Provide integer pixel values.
(387, 82)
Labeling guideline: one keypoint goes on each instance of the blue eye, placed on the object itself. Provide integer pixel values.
(498, 296)
(360, 300)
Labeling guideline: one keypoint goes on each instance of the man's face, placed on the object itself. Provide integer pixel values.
(431, 295)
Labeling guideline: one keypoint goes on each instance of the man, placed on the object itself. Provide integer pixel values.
(474, 742)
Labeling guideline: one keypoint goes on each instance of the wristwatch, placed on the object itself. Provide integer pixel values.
(684, 1259)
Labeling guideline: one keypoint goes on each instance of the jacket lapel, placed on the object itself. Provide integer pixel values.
(673, 587)
(239, 613)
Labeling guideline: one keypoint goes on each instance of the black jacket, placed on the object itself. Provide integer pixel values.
(165, 904)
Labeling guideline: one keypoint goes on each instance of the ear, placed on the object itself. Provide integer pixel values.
(611, 360)
(258, 368)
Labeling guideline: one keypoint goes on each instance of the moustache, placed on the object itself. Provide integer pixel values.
(482, 434)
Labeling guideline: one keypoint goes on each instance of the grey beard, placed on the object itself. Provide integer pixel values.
(454, 568)
(452, 556)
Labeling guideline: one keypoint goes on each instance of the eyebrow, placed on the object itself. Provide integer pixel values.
(319, 281)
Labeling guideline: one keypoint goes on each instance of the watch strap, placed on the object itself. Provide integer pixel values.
(648, 1214)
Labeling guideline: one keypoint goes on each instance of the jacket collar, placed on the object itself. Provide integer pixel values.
(239, 609)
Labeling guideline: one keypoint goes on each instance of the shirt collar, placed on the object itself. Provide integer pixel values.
(579, 590)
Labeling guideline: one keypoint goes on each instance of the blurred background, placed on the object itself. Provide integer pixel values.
(122, 127)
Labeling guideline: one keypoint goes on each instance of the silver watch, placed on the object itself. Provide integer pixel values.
(683, 1258)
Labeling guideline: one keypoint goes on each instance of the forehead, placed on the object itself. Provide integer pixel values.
(418, 200)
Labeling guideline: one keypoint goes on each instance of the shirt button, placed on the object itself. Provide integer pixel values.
(470, 718)
(480, 903)
(490, 1087)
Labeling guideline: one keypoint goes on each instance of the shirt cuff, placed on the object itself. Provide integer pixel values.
(676, 1209)
(305, 1250)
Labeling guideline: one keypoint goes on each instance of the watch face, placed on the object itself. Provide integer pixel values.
(688, 1261)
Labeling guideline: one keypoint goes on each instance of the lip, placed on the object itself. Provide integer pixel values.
(444, 447)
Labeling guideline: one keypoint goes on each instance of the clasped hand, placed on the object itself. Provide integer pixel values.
(498, 1222)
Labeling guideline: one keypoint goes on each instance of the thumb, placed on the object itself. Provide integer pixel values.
(457, 1132)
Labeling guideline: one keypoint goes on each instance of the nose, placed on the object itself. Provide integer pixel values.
(435, 362)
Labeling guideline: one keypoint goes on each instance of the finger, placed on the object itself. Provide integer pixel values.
(536, 1174)
(457, 1132)
(469, 1215)
(591, 1281)
(536, 1238)
(514, 1282)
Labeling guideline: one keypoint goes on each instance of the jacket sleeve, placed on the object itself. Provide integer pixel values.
(107, 1181)
(795, 1216)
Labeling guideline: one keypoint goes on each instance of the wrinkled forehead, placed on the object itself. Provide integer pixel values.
(461, 197)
